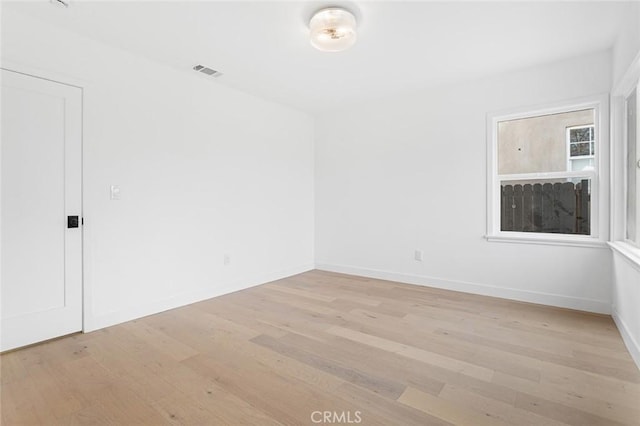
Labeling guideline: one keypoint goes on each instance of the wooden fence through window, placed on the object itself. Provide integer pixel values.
(551, 207)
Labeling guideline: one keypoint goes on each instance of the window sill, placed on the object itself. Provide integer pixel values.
(548, 239)
(627, 251)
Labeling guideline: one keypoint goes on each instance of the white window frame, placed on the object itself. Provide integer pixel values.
(599, 176)
(619, 164)
(626, 143)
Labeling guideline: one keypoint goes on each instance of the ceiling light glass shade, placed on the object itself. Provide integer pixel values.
(333, 29)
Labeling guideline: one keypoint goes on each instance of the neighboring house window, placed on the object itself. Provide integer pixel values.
(581, 147)
(633, 170)
(544, 181)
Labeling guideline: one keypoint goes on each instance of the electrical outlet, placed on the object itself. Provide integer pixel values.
(417, 255)
(227, 259)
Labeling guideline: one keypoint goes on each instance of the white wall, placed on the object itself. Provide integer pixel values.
(626, 273)
(627, 45)
(626, 300)
(408, 173)
(204, 170)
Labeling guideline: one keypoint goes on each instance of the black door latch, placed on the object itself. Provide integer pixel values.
(72, 222)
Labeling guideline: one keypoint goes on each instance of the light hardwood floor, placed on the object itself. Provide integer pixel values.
(379, 351)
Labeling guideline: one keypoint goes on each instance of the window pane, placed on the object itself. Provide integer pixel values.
(582, 164)
(580, 148)
(539, 144)
(580, 134)
(559, 206)
(632, 167)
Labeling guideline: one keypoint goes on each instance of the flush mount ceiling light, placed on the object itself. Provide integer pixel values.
(63, 3)
(333, 29)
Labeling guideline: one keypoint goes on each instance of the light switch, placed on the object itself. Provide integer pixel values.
(417, 255)
(115, 192)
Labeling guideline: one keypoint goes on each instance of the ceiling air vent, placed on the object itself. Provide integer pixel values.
(207, 71)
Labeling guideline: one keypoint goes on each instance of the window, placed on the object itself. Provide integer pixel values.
(625, 196)
(544, 181)
(581, 146)
(633, 168)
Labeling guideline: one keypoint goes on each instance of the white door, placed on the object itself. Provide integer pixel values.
(41, 165)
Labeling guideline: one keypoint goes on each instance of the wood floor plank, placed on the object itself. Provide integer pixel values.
(389, 388)
(131, 371)
(12, 368)
(267, 390)
(23, 404)
(367, 360)
(561, 412)
(625, 409)
(303, 293)
(116, 405)
(455, 413)
(496, 409)
(414, 353)
(434, 340)
(180, 409)
(160, 341)
(437, 322)
(334, 344)
(597, 367)
(204, 391)
(392, 411)
(53, 392)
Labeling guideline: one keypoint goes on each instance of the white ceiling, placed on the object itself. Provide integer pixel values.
(262, 47)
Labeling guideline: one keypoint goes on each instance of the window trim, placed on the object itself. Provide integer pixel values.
(600, 175)
(633, 245)
(619, 149)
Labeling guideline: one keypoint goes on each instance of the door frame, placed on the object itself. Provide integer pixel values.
(60, 78)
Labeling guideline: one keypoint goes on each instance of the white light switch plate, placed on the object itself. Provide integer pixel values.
(115, 192)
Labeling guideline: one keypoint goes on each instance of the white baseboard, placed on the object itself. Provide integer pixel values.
(157, 306)
(632, 344)
(582, 304)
